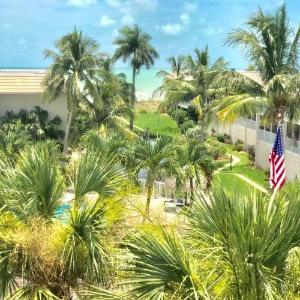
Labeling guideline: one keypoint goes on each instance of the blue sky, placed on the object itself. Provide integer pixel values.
(27, 27)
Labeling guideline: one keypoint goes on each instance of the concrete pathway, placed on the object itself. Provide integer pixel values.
(235, 161)
(254, 184)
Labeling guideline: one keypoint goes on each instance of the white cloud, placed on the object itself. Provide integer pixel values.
(106, 21)
(185, 19)
(190, 6)
(128, 19)
(177, 28)
(132, 7)
(172, 28)
(210, 30)
(81, 3)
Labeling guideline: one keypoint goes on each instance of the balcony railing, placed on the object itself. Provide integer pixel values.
(269, 137)
(250, 123)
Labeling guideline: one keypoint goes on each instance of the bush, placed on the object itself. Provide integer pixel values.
(251, 154)
(221, 138)
(179, 115)
(143, 111)
(187, 125)
(217, 151)
(238, 145)
(227, 138)
(36, 124)
(195, 133)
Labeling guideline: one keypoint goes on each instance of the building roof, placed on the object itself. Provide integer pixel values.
(13, 81)
(253, 75)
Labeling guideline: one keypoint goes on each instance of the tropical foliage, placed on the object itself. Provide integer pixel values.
(272, 46)
(134, 45)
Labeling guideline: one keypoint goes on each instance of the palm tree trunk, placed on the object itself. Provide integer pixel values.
(149, 194)
(192, 189)
(132, 97)
(245, 140)
(68, 129)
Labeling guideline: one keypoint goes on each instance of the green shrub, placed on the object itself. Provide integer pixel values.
(221, 138)
(179, 115)
(238, 145)
(251, 154)
(187, 125)
(143, 111)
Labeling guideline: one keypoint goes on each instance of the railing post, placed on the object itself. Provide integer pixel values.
(257, 137)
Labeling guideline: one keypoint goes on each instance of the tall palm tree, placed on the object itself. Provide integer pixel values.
(193, 159)
(134, 45)
(74, 65)
(109, 98)
(154, 158)
(272, 47)
(201, 84)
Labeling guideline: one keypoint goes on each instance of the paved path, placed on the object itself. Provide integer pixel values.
(235, 161)
(251, 182)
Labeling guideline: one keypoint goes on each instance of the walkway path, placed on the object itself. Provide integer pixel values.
(236, 160)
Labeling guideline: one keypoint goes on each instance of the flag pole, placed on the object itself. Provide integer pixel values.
(280, 117)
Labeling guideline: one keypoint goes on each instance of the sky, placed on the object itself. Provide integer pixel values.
(27, 27)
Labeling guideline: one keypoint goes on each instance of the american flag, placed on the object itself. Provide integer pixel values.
(276, 159)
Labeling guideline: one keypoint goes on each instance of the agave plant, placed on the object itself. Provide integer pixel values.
(161, 268)
(35, 185)
(251, 236)
(96, 172)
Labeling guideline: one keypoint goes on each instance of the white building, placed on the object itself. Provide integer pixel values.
(262, 137)
(23, 89)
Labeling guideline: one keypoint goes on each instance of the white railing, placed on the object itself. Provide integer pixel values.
(250, 123)
(266, 136)
(292, 145)
(269, 137)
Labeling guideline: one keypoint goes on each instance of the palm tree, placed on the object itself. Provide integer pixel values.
(201, 84)
(177, 68)
(193, 159)
(109, 98)
(272, 47)
(134, 45)
(152, 157)
(74, 66)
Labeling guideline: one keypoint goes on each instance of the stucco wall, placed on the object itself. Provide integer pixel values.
(29, 101)
(237, 131)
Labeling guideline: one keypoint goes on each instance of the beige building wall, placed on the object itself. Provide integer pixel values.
(16, 102)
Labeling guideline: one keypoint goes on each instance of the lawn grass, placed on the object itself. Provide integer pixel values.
(255, 174)
(232, 183)
(157, 124)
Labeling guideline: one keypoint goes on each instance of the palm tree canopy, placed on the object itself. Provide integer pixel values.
(270, 43)
(272, 47)
(134, 45)
(74, 63)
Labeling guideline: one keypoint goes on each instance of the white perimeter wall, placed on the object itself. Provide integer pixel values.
(237, 131)
(292, 160)
(29, 101)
